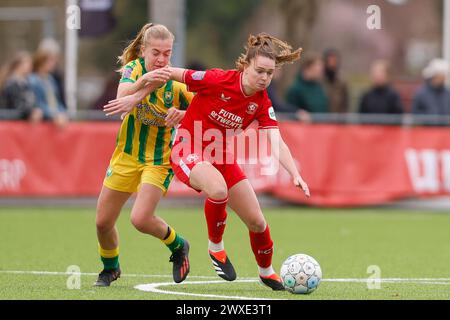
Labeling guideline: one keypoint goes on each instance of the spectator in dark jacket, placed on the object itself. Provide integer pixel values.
(381, 98)
(16, 93)
(433, 98)
(307, 93)
(279, 104)
(335, 87)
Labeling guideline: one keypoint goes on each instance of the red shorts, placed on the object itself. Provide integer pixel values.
(183, 164)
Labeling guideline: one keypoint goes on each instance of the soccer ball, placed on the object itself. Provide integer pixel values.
(301, 274)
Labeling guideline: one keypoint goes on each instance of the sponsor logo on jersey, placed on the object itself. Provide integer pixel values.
(227, 119)
(251, 109)
(224, 98)
(199, 75)
(272, 114)
(147, 115)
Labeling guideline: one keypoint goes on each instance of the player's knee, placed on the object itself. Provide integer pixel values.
(137, 221)
(257, 225)
(141, 222)
(218, 191)
(104, 225)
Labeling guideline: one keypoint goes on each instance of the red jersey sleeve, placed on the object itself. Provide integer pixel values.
(198, 81)
(266, 116)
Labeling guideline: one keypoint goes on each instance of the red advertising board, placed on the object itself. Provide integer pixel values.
(343, 165)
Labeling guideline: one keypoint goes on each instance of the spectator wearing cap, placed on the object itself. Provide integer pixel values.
(433, 98)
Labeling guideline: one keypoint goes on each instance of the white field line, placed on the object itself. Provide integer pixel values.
(154, 287)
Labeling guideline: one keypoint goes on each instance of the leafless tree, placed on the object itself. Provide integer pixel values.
(299, 18)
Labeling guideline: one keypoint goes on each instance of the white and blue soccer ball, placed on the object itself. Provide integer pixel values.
(301, 274)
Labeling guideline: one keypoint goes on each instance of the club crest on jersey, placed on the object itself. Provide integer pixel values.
(251, 109)
(199, 75)
(168, 98)
(224, 98)
(192, 158)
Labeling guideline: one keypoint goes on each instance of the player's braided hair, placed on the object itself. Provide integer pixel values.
(267, 46)
(149, 31)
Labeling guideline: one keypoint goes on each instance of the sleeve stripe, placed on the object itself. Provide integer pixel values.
(127, 80)
(184, 79)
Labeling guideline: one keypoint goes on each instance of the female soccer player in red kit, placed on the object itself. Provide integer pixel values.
(230, 101)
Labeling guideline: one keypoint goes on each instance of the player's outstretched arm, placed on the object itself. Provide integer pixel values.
(177, 74)
(283, 154)
(126, 102)
(129, 95)
(155, 78)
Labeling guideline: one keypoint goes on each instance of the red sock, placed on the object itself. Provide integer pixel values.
(262, 246)
(216, 218)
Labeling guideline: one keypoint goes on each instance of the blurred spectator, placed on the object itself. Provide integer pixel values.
(433, 98)
(109, 91)
(45, 87)
(16, 93)
(307, 93)
(381, 98)
(279, 104)
(335, 87)
(51, 46)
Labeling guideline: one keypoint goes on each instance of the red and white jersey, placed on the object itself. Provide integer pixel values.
(220, 103)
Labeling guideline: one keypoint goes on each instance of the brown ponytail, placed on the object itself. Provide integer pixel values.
(267, 46)
(149, 31)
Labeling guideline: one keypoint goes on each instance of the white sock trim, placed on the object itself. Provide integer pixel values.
(216, 247)
(265, 272)
(218, 201)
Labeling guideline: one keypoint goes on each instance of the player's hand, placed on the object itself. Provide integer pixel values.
(157, 77)
(300, 183)
(174, 117)
(304, 116)
(121, 105)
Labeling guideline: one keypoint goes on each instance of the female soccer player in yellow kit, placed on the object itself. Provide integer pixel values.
(140, 162)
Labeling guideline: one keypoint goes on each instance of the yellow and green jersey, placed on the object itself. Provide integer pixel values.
(143, 134)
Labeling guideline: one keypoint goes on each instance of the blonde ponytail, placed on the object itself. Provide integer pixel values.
(132, 51)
